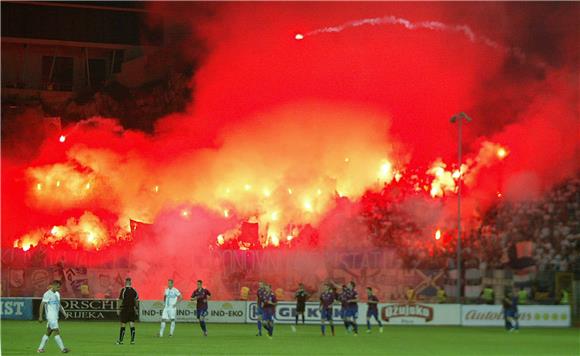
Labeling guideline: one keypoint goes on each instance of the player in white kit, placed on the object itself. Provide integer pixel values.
(171, 298)
(51, 304)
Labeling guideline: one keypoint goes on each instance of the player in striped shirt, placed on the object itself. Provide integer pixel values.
(261, 294)
(201, 295)
(352, 309)
(270, 302)
(342, 296)
(372, 310)
(326, 301)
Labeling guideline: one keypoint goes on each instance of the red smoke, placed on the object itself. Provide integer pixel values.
(272, 113)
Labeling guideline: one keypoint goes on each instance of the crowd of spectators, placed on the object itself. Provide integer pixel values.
(549, 225)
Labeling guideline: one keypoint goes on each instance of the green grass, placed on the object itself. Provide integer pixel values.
(97, 338)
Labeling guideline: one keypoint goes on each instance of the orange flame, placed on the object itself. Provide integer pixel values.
(88, 232)
(443, 181)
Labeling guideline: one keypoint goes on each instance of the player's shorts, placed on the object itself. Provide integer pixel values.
(52, 324)
(127, 315)
(268, 314)
(259, 310)
(343, 312)
(352, 312)
(510, 314)
(373, 312)
(169, 313)
(300, 307)
(201, 312)
(326, 314)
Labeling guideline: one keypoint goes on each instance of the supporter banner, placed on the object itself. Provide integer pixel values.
(219, 312)
(106, 283)
(16, 308)
(530, 315)
(103, 283)
(287, 268)
(85, 309)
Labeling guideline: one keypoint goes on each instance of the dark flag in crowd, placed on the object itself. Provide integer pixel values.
(524, 265)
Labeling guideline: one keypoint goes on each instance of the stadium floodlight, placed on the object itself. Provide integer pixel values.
(459, 118)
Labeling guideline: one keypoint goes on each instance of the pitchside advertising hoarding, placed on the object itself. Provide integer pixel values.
(416, 314)
(246, 312)
(419, 314)
(529, 315)
(16, 308)
(286, 312)
(85, 309)
(219, 312)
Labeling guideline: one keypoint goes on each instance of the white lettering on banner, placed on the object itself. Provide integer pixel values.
(529, 315)
(390, 313)
(219, 312)
(89, 304)
(420, 314)
(11, 307)
(286, 313)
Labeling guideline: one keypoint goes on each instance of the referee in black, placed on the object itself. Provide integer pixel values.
(301, 297)
(126, 309)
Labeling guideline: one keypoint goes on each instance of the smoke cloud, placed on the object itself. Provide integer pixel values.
(282, 131)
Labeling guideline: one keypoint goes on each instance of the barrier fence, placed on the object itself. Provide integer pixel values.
(246, 312)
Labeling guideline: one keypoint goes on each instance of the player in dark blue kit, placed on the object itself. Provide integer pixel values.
(342, 296)
(269, 309)
(510, 312)
(326, 300)
(372, 310)
(261, 293)
(352, 309)
(201, 295)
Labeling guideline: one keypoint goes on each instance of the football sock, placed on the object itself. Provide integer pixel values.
(43, 342)
(59, 342)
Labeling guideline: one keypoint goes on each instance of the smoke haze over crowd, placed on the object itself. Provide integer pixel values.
(278, 129)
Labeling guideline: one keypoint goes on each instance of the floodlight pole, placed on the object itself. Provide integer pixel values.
(459, 118)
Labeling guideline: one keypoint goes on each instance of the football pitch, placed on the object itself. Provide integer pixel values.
(98, 338)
